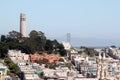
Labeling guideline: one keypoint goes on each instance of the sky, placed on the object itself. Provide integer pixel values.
(90, 22)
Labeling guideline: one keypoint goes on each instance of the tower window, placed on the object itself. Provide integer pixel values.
(23, 19)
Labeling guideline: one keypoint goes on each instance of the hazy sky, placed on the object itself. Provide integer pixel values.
(98, 20)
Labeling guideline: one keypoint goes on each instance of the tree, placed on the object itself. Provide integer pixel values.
(52, 65)
(14, 35)
(61, 50)
(61, 60)
(25, 49)
(35, 43)
(13, 45)
(38, 40)
(3, 38)
(12, 66)
(3, 49)
(113, 46)
(68, 65)
(49, 46)
(89, 51)
(55, 47)
(7, 60)
(43, 61)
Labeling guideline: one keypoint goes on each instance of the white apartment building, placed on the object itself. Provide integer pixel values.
(67, 45)
(17, 55)
(113, 50)
(30, 70)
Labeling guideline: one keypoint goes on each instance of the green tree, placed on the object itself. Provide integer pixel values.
(8, 73)
(53, 46)
(61, 60)
(7, 60)
(90, 52)
(26, 49)
(14, 35)
(49, 46)
(38, 40)
(68, 65)
(52, 65)
(43, 61)
(13, 45)
(3, 49)
(3, 38)
(12, 66)
(62, 51)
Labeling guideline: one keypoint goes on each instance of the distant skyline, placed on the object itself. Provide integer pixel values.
(90, 22)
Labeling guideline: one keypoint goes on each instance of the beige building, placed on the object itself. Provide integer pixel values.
(102, 71)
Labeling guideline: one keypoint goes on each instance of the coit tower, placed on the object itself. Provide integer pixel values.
(23, 25)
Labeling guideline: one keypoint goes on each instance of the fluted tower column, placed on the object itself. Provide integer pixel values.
(23, 25)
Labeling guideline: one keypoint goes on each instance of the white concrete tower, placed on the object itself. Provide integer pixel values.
(23, 25)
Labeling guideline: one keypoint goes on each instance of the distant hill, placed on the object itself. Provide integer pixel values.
(90, 42)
